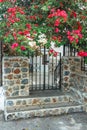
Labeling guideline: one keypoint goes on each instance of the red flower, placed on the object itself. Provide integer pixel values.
(79, 26)
(14, 35)
(56, 30)
(17, 19)
(51, 51)
(23, 48)
(21, 33)
(50, 15)
(57, 22)
(74, 36)
(11, 10)
(53, 10)
(54, 38)
(14, 45)
(59, 38)
(26, 32)
(21, 12)
(1, 0)
(82, 53)
(8, 24)
(33, 17)
(28, 26)
(55, 54)
(74, 14)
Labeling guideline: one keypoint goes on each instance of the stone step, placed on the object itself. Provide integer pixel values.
(36, 102)
(41, 106)
(48, 111)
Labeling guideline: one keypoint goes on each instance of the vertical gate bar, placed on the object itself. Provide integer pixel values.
(32, 69)
(36, 70)
(48, 70)
(52, 72)
(84, 64)
(60, 73)
(64, 50)
(71, 50)
(40, 71)
(1, 49)
(81, 63)
(74, 52)
(44, 69)
(68, 49)
(55, 66)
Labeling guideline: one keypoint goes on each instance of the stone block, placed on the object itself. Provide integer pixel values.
(14, 69)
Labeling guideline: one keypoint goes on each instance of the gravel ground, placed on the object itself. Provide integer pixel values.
(74, 121)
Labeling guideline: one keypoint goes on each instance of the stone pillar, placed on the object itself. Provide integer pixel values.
(15, 76)
(74, 80)
(70, 66)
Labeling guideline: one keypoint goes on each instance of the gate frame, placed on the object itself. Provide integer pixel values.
(45, 62)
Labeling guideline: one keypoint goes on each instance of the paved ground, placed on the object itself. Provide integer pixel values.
(75, 121)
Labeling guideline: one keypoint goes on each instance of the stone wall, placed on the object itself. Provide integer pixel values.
(70, 65)
(15, 76)
(18, 103)
(73, 79)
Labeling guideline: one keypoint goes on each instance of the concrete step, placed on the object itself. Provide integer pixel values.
(41, 112)
(42, 106)
(35, 102)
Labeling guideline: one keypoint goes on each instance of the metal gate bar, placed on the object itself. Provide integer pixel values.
(1, 55)
(42, 70)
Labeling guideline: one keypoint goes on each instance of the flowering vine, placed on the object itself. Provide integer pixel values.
(27, 25)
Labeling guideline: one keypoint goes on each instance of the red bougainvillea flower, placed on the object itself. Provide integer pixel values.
(73, 13)
(54, 38)
(12, 14)
(21, 11)
(33, 17)
(1, 0)
(58, 13)
(28, 26)
(57, 22)
(53, 52)
(74, 36)
(26, 32)
(21, 33)
(14, 45)
(56, 30)
(11, 10)
(53, 10)
(59, 38)
(82, 53)
(15, 35)
(23, 48)
(79, 26)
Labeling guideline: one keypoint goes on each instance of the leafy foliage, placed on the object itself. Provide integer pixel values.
(34, 23)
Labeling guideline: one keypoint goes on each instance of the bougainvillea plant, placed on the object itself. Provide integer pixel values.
(26, 25)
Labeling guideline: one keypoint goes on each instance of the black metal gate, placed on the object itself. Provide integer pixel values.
(45, 70)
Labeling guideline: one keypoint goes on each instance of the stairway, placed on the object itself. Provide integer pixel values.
(39, 105)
